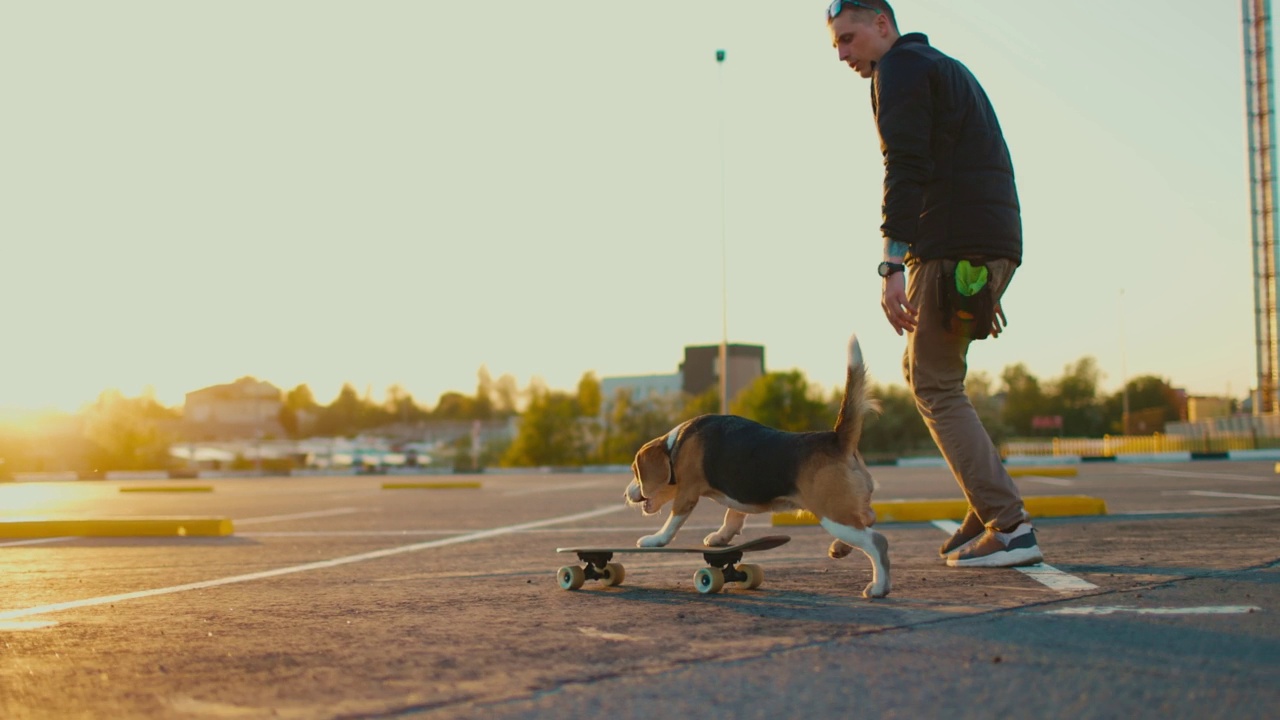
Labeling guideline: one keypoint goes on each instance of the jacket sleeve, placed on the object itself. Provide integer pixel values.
(904, 115)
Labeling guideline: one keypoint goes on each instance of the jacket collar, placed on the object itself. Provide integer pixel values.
(908, 39)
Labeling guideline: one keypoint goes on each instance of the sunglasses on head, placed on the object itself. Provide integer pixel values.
(836, 7)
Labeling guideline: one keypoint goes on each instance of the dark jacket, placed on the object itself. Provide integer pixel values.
(948, 182)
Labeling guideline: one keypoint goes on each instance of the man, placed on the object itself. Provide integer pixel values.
(951, 221)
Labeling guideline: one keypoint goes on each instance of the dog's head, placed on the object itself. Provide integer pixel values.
(652, 485)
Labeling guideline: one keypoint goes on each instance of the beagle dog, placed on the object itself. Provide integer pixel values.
(752, 468)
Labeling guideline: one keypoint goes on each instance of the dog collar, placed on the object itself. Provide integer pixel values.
(672, 438)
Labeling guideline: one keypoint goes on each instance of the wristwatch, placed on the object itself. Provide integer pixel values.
(887, 268)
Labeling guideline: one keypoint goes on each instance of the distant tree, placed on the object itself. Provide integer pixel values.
(345, 416)
(130, 433)
(631, 423)
(1074, 396)
(590, 396)
(1152, 403)
(897, 429)
(482, 408)
(979, 387)
(400, 406)
(289, 420)
(785, 401)
(1024, 398)
(506, 394)
(548, 432)
(454, 406)
(707, 403)
(301, 398)
(590, 425)
(299, 403)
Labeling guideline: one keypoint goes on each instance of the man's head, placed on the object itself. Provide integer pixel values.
(862, 31)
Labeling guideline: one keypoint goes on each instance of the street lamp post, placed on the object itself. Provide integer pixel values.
(724, 256)
(1124, 372)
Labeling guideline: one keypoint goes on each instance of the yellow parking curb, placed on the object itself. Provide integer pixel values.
(1023, 471)
(455, 485)
(929, 510)
(167, 488)
(117, 527)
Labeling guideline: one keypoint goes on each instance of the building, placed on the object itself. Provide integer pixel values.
(246, 408)
(699, 373)
(641, 386)
(1207, 408)
(701, 368)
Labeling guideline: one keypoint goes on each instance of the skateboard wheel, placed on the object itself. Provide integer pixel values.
(755, 576)
(571, 577)
(613, 574)
(708, 580)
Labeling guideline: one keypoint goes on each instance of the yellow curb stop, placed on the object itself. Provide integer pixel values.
(117, 527)
(929, 510)
(451, 485)
(1024, 471)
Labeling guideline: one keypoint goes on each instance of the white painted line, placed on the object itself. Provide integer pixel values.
(1060, 482)
(1206, 610)
(345, 533)
(558, 488)
(1203, 476)
(532, 531)
(1047, 575)
(36, 541)
(296, 516)
(18, 625)
(1197, 510)
(321, 565)
(1211, 493)
(1054, 579)
(616, 637)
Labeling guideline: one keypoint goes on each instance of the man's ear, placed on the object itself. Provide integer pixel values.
(653, 469)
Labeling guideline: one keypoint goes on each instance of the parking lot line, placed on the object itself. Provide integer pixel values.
(297, 516)
(321, 565)
(1202, 475)
(35, 541)
(1204, 610)
(1212, 493)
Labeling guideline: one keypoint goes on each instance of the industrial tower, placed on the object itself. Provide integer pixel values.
(1259, 91)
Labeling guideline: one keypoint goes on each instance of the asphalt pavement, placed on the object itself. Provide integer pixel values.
(337, 598)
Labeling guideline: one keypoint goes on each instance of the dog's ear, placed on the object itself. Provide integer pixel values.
(653, 468)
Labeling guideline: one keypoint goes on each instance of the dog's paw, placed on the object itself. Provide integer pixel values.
(839, 549)
(715, 539)
(651, 541)
(876, 590)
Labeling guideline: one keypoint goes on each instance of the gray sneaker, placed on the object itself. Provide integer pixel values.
(971, 529)
(994, 549)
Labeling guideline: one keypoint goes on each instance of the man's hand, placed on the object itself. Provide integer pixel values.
(998, 322)
(901, 315)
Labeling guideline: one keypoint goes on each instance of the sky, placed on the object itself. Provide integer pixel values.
(400, 192)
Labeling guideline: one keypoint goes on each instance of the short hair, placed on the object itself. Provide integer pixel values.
(866, 11)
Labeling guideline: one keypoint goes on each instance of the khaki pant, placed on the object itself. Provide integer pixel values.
(935, 368)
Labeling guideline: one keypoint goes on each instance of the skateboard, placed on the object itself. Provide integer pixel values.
(722, 564)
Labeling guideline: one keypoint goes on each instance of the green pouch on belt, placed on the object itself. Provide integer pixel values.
(969, 278)
(964, 298)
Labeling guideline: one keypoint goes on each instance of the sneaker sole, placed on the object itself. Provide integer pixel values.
(1002, 559)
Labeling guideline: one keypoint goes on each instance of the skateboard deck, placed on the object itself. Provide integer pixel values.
(722, 564)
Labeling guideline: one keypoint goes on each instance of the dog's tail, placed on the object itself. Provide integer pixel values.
(857, 402)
